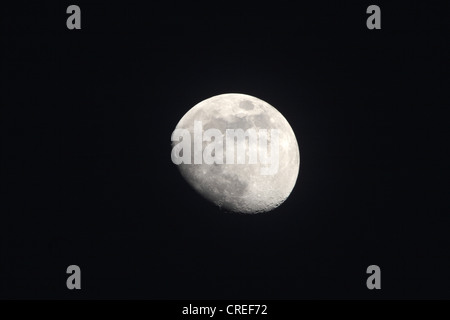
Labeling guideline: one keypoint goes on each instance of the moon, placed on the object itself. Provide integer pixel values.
(241, 187)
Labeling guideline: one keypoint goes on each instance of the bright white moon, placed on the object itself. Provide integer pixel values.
(241, 187)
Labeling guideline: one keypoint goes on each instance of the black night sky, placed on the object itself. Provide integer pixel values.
(86, 176)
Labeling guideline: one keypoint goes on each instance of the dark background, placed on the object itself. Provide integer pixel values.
(86, 176)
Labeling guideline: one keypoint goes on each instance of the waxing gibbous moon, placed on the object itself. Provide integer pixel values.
(241, 187)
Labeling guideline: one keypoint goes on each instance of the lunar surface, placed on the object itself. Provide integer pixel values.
(241, 187)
